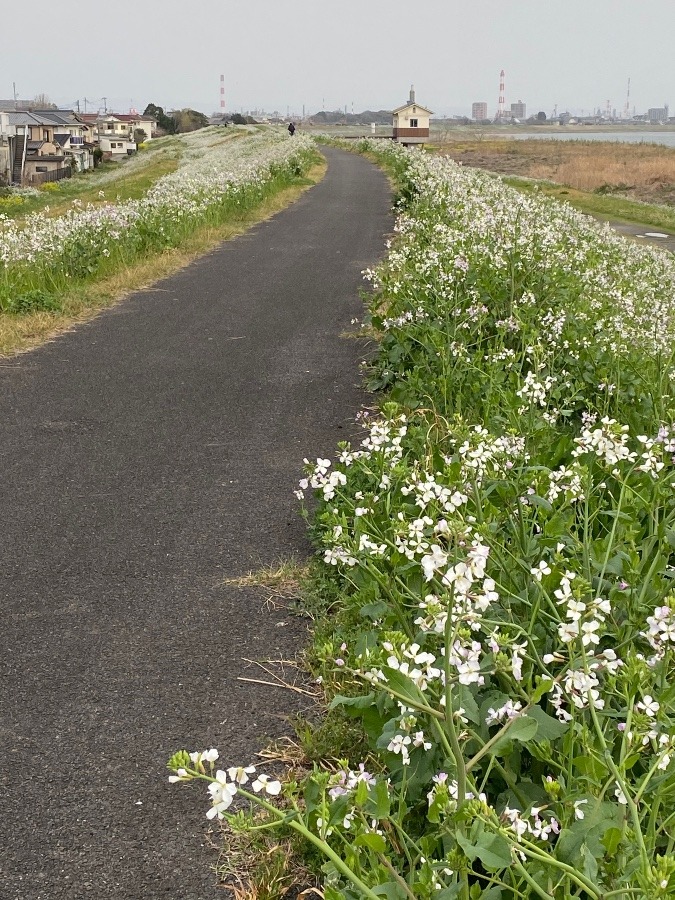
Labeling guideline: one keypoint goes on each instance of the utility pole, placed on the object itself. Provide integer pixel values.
(105, 105)
(14, 91)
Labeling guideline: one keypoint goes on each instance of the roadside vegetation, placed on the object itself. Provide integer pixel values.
(496, 605)
(629, 182)
(128, 179)
(146, 220)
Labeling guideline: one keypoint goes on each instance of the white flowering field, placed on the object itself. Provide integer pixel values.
(503, 540)
(218, 176)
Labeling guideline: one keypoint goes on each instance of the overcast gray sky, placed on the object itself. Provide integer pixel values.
(285, 53)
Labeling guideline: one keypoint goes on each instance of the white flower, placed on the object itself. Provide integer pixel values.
(239, 774)
(620, 796)
(181, 775)
(419, 741)
(205, 756)
(399, 744)
(589, 636)
(263, 783)
(540, 570)
(648, 706)
(222, 794)
(578, 811)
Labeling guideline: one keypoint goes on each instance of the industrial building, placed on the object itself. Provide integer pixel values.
(479, 111)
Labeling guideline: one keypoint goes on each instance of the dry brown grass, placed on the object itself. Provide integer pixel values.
(19, 333)
(588, 168)
(641, 171)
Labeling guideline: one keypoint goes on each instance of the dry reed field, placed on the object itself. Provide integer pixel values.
(643, 172)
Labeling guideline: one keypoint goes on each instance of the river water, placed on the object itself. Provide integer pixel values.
(667, 138)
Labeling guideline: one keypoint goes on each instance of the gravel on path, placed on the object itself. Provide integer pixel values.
(146, 457)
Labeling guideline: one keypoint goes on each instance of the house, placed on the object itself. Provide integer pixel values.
(411, 122)
(73, 135)
(116, 147)
(125, 125)
(43, 145)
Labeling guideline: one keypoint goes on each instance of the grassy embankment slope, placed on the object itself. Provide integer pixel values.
(632, 183)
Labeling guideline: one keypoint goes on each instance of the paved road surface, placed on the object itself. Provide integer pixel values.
(145, 457)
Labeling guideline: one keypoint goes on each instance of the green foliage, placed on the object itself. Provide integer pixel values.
(31, 301)
(165, 123)
(543, 768)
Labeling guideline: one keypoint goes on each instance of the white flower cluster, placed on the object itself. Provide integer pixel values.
(609, 441)
(214, 170)
(225, 783)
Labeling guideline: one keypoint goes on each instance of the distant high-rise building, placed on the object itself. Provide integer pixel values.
(479, 111)
(518, 110)
(658, 114)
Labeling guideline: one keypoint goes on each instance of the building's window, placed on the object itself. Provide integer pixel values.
(414, 109)
(45, 135)
(42, 168)
(413, 123)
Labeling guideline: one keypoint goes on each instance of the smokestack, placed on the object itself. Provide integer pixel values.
(412, 93)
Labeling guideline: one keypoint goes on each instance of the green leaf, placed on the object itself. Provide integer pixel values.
(611, 840)
(379, 803)
(544, 685)
(493, 893)
(548, 728)
(373, 841)
(362, 702)
(468, 704)
(449, 893)
(391, 891)
(403, 686)
(374, 610)
(536, 500)
(522, 729)
(590, 865)
(491, 849)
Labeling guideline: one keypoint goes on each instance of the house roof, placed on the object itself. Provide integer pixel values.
(57, 116)
(21, 118)
(47, 157)
(34, 145)
(61, 139)
(133, 117)
(410, 105)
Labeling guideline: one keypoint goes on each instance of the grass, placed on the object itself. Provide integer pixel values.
(19, 333)
(601, 206)
(126, 180)
(633, 183)
(284, 576)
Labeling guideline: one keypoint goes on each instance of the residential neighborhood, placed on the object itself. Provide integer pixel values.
(41, 145)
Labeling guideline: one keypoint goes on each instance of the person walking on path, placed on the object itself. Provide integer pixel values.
(291, 129)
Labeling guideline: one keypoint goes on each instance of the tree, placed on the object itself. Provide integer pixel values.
(139, 135)
(238, 119)
(42, 101)
(541, 117)
(189, 120)
(165, 123)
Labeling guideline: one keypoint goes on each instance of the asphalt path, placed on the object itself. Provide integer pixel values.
(146, 457)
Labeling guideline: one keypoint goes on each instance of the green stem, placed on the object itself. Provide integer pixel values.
(539, 891)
